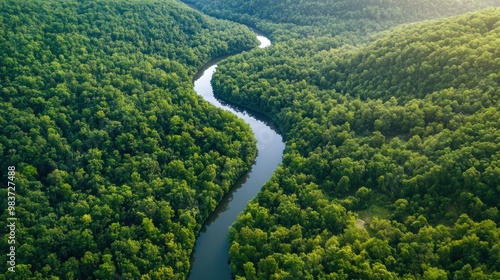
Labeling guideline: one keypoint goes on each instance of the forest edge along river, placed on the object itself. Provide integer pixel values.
(210, 255)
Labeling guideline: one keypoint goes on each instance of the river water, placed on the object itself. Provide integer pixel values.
(210, 257)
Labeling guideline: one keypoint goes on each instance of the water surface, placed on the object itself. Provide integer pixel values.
(210, 257)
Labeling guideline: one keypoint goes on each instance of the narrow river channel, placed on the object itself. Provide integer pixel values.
(210, 257)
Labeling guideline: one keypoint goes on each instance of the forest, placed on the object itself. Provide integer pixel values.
(346, 20)
(389, 109)
(117, 161)
(392, 164)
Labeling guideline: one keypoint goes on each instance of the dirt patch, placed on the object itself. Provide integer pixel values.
(360, 223)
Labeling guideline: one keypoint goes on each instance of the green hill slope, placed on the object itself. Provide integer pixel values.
(347, 18)
(402, 132)
(117, 161)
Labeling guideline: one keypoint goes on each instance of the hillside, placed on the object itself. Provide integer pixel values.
(402, 132)
(116, 161)
(345, 19)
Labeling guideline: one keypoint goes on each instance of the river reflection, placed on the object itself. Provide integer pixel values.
(210, 258)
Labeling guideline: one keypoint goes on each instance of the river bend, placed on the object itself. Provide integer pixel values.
(210, 257)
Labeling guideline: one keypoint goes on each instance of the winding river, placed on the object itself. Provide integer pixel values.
(210, 257)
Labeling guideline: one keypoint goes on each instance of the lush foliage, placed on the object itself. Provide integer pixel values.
(402, 132)
(118, 161)
(344, 19)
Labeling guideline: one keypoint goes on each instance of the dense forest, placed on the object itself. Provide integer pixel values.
(392, 165)
(343, 19)
(117, 161)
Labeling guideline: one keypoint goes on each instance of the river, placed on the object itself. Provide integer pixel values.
(210, 257)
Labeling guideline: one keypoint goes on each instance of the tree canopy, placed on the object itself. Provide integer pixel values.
(391, 168)
(343, 19)
(118, 161)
